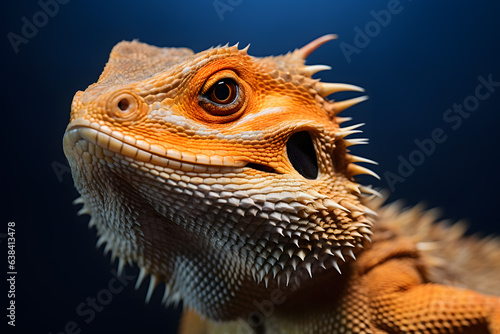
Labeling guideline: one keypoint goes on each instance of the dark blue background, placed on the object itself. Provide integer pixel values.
(426, 59)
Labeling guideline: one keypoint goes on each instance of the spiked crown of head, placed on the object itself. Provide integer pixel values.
(209, 194)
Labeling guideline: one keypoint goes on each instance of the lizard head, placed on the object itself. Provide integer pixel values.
(217, 170)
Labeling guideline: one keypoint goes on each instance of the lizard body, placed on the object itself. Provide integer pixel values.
(228, 178)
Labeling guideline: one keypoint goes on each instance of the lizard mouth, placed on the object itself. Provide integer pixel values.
(139, 150)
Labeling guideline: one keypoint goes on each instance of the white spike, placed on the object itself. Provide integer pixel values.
(339, 106)
(328, 251)
(342, 134)
(341, 120)
(152, 284)
(349, 130)
(266, 281)
(351, 253)
(108, 247)
(331, 204)
(352, 127)
(307, 49)
(92, 222)
(351, 206)
(356, 141)
(339, 254)
(121, 265)
(277, 269)
(114, 252)
(326, 88)
(174, 299)
(371, 191)
(279, 230)
(301, 254)
(102, 239)
(336, 266)
(83, 211)
(142, 275)
(313, 69)
(308, 268)
(369, 211)
(365, 230)
(245, 49)
(79, 200)
(355, 170)
(166, 294)
(355, 158)
(288, 273)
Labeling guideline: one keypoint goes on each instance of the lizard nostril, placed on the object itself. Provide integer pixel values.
(125, 106)
(302, 155)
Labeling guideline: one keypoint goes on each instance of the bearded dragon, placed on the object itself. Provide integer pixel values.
(229, 179)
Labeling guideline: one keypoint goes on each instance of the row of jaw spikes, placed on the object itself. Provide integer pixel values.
(332, 253)
(112, 245)
(325, 243)
(170, 297)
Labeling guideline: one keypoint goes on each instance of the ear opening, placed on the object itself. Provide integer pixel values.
(302, 154)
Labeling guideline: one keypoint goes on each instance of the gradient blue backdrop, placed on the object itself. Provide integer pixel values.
(416, 67)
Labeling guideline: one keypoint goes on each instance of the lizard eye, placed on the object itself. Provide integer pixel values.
(222, 95)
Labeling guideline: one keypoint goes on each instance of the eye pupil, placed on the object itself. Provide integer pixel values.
(222, 91)
(123, 104)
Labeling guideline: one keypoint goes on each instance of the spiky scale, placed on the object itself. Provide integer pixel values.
(356, 141)
(309, 48)
(308, 268)
(102, 239)
(330, 204)
(356, 169)
(340, 106)
(336, 266)
(313, 69)
(142, 275)
(83, 211)
(79, 200)
(166, 294)
(121, 266)
(153, 282)
(325, 88)
(354, 158)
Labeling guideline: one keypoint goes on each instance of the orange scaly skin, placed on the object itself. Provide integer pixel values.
(227, 178)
